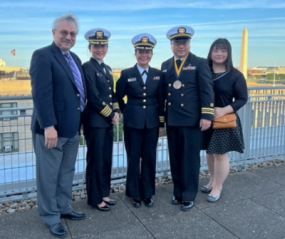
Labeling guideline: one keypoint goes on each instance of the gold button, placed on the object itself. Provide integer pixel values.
(110, 96)
(144, 100)
(78, 95)
(110, 88)
(144, 87)
(169, 93)
(169, 103)
(183, 85)
(78, 108)
(182, 95)
(144, 106)
(182, 105)
(108, 81)
(111, 103)
(169, 85)
(144, 93)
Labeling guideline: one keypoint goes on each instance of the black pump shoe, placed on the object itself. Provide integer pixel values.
(111, 202)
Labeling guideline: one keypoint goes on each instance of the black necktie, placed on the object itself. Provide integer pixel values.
(103, 66)
(144, 72)
(178, 62)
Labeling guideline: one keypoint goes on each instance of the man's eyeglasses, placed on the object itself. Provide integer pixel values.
(65, 33)
(180, 42)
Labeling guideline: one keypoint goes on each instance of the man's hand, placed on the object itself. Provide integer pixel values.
(205, 124)
(50, 137)
(116, 118)
(161, 131)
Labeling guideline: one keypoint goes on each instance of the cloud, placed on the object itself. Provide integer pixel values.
(130, 5)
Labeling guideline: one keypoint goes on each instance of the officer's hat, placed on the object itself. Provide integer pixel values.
(181, 32)
(144, 41)
(97, 36)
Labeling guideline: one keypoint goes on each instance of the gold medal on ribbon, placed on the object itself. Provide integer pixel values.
(177, 84)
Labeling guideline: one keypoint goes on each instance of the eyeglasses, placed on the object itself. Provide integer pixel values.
(66, 33)
(180, 42)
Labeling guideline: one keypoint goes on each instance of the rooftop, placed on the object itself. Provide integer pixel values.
(252, 206)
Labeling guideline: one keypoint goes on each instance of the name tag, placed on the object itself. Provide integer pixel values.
(99, 74)
(132, 79)
(189, 68)
(156, 78)
(164, 70)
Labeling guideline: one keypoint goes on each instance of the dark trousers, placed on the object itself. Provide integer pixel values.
(141, 144)
(99, 163)
(55, 171)
(184, 144)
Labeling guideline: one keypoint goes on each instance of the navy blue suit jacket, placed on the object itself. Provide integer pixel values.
(54, 91)
(141, 109)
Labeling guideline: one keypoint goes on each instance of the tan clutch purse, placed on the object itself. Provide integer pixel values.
(225, 122)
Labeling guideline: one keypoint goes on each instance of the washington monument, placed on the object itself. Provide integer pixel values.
(243, 55)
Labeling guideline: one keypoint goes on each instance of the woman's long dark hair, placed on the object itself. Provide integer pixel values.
(222, 43)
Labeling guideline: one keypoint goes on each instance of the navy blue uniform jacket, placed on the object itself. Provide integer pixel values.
(194, 100)
(101, 101)
(141, 109)
(54, 91)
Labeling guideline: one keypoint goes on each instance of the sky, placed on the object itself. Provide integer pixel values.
(26, 26)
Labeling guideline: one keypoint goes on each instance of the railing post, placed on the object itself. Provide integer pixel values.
(246, 119)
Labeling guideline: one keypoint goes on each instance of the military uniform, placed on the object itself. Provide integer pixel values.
(141, 122)
(98, 129)
(187, 98)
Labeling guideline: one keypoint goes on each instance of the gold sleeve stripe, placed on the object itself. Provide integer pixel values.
(161, 119)
(115, 106)
(106, 111)
(206, 108)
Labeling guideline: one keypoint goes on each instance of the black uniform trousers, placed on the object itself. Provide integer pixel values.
(184, 144)
(141, 144)
(99, 163)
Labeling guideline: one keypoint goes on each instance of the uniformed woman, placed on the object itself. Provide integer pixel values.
(140, 84)
(102, 111)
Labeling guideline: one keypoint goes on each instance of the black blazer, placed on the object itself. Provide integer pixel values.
(194, 100)
(141, 108)
(101, 101)
(54, 91)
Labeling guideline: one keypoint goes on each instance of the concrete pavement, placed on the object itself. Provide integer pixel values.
(252, 206)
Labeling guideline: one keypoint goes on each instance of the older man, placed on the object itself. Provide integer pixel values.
(188, 97)
(58, 91)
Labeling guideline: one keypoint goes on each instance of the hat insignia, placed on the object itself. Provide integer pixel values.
(181, 30)
(99, 34)
(144, 39)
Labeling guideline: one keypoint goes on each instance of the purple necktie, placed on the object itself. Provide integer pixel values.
(77, 78)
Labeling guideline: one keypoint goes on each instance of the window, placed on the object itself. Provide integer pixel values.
(8, 112)
(9, 142)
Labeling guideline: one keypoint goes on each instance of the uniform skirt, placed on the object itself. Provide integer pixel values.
(220, 141)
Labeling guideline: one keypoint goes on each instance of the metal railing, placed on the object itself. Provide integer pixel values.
(263, 121)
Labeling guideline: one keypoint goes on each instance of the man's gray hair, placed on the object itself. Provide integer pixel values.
(70, 18)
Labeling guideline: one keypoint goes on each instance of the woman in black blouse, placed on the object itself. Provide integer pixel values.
(230, 95)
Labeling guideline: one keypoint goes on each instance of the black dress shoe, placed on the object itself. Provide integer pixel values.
(73, 215)
(57, 230)
(111, 202)
(104, 209)
(176, 200)
(148, 202)
(206, 189)
(187, 205)
(136, 202)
